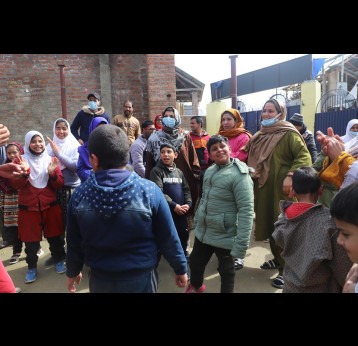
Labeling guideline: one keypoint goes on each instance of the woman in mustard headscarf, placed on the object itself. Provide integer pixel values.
(232, 127)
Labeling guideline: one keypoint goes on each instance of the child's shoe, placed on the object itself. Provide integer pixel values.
(60, 267)
(14, 258)
(31, 275)
(192, 289)
(239, 263)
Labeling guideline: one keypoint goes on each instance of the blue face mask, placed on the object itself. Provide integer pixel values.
(92, 105)
(269, 122)
(169, 122)
(353, 133)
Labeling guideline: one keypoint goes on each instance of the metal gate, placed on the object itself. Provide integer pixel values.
(338, 120)
(252, 119)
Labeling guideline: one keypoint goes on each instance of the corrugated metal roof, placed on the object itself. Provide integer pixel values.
(185, 85)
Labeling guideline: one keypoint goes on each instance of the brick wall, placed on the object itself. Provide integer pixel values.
(30, 90)
(129, 81)
(161, 85)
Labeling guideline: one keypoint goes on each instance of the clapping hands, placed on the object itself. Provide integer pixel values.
(53, 165)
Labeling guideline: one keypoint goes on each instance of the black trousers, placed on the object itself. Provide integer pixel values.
(199, 258)
(181, 224)
(56, 248)
(10, 234)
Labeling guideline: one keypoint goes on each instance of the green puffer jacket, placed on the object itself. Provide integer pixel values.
(225, 214)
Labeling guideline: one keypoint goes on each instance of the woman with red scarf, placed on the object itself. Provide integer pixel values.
(158, 122)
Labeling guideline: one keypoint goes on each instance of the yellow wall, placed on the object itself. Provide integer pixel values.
(213, 113)
(310, 96)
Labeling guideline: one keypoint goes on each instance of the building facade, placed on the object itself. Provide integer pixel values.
(36, 89)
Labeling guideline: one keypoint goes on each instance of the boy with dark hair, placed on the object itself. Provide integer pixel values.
(223, 221)
(344, 211)
(175, 188)
(117, 223)
(314, 262)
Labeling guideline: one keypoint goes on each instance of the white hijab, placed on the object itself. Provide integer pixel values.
(348, 137)
(38, 163)
(68, 145)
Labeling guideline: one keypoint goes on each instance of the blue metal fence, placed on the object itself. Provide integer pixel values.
(338, 120)
(252, 119)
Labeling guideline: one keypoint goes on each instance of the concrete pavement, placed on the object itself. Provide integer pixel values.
(250, 279)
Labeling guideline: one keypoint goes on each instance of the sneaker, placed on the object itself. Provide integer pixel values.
(14, 258)
(17, 290)
(192, 289)
(49, 262)
(238, 263)
(31, 275)
(5, 244)
(40, 252)
(60, 267)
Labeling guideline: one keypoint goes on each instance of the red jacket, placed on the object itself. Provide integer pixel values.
(36, 199)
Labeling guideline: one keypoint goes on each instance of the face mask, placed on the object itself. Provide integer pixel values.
(353, 133)
(92, 105)
(168, 122)
(270, 122)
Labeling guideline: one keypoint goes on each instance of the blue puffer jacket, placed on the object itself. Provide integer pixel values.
(225, 214)
(117, 221)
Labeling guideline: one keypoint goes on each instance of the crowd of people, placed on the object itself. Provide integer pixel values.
(118, 197)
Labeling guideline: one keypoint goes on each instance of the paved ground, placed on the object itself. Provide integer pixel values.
(250, 279)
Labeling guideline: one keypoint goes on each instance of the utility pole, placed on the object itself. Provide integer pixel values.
(233, 82)
(63, 92)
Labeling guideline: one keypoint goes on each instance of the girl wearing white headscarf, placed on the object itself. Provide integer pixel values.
(64, 146)
(39, 211)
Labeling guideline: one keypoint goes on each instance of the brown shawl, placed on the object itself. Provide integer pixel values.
(261, 147)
